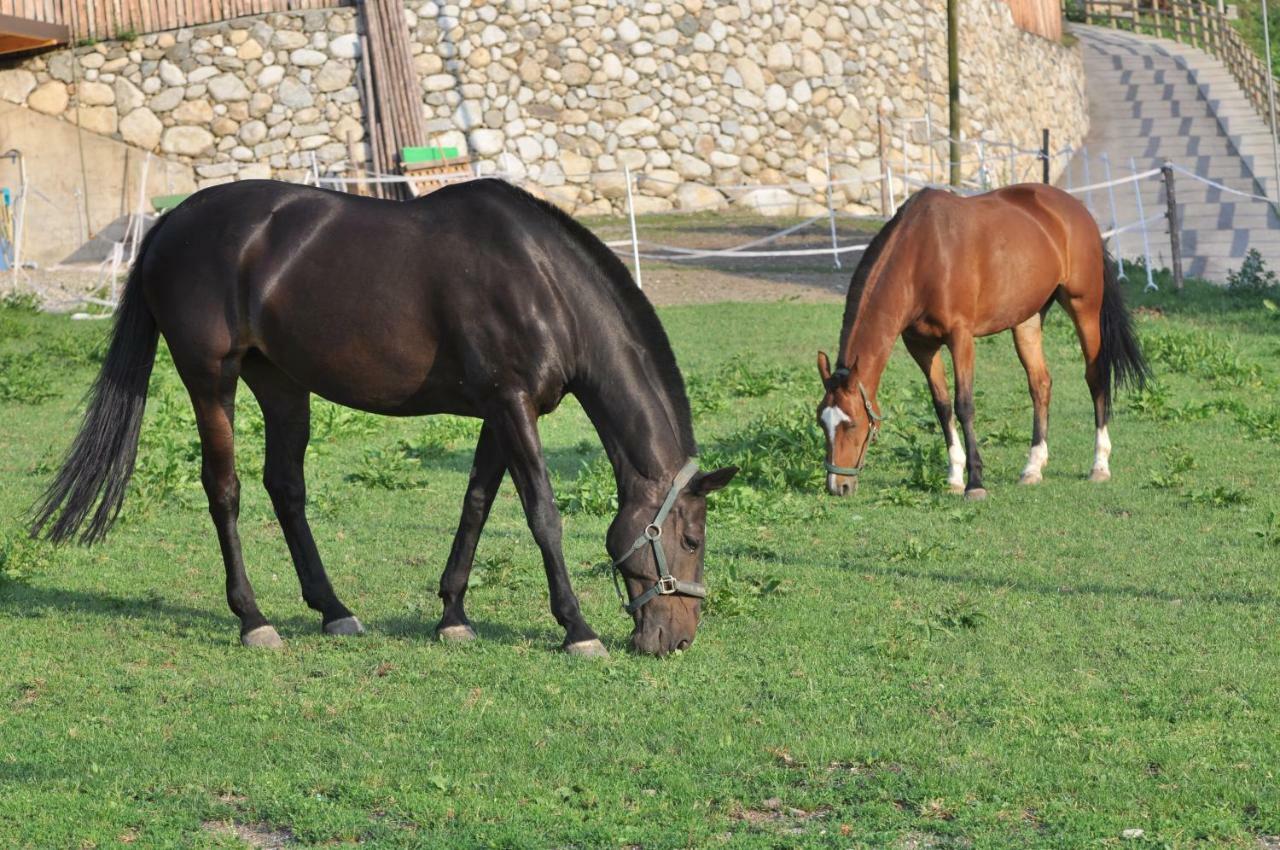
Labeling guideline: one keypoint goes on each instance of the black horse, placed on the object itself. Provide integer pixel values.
(478, 300)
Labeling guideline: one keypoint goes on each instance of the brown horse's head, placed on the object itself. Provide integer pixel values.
(850, 422)
(666, 621)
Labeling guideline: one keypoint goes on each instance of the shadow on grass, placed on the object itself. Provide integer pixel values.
(970, 579)
(24, 602)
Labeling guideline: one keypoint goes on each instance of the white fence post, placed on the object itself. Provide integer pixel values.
(831, 211)
(1142, 216)
(1111, 199)
(631, 213)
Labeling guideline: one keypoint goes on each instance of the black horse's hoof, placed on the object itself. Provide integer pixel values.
(456, 634)
(263, 637)
(587, 649)
(345, 627)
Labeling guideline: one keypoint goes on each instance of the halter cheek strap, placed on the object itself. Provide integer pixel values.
(875, 419)
(652, 536)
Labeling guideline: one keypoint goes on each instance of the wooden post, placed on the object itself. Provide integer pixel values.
(884, 165)
(1175, 235)
(1044, 153)
(1134, 12)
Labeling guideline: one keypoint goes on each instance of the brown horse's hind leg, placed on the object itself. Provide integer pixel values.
(213, 395)
(963, 356)
(286, 412)
(517, 425)
(929, 358)
(1027, 339)
(486, 476)
(1085, 313)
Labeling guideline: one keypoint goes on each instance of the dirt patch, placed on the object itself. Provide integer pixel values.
(258, 835)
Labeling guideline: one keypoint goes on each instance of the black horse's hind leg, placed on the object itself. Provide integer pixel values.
(214, 398)
(486, 476)
(286, 411)
(518, 429)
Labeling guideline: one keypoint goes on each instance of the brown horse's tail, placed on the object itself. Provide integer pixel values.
(91, 484)
(1120, 359)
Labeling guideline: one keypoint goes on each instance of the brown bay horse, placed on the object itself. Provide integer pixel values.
(947, 269)
(477, 300)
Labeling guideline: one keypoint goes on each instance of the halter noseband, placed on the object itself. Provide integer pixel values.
(652, 535)
(875, 419)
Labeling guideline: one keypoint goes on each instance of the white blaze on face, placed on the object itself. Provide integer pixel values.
(1102, 451)
(956, 458)
(831, 419)
(1036, 460)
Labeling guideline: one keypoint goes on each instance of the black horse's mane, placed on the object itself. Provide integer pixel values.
(633, 305)
(858, 284)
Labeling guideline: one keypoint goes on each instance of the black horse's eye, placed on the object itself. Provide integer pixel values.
(691, 544)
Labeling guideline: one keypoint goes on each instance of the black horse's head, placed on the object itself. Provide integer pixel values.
(658, 549)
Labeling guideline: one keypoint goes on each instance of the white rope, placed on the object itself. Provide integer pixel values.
(1118, 181)
(799, 252)
(763, 240)
(1215, 184)
(1115, 231)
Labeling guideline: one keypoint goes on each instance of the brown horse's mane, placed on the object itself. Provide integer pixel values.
(861, 275)
(633, 305)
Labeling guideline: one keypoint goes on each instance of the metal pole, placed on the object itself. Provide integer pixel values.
(1175, 231)
(982, 166)
(1142, 216)
(1115, 224)
(1088, 181)
(1271, 105)
(631, 212)
(831, 210)
(884, 165)
(1044, 152)
(953, 86)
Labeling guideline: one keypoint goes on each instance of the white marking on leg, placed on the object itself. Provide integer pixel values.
(1102, 454)
(956, 457)
(1036, 459)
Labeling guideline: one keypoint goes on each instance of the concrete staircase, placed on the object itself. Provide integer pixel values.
(1156, 100)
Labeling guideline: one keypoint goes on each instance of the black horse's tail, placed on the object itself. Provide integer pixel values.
(1120, 360)
(91, 484)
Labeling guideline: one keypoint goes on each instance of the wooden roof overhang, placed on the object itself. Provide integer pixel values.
(19, 35)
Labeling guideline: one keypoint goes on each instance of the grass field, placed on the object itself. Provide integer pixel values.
(1049, 668)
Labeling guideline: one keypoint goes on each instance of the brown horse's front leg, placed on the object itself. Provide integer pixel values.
(962, 355)
(1028, 341)
(928, 357)
(487, 469)
(517, 424)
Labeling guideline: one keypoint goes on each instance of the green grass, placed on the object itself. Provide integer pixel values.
(1048, 668)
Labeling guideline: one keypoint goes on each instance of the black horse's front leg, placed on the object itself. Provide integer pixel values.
(487, 469)
(517, 424)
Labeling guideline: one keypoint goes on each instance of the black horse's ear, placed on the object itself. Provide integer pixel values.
(708, 482)
(824, 367)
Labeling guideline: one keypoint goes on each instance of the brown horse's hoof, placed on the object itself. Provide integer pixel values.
(1100, 474)
(1028, 478)
(955, 488)
(263, 637)
(345, 627)
(456, 634)
(977, 494)
(587, 649)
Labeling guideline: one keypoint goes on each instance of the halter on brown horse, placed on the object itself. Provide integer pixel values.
(947, 269)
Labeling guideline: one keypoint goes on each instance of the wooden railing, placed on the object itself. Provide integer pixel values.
(1190, 22)
(112, 18)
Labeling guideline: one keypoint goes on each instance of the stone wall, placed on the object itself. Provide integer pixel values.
(697, 98)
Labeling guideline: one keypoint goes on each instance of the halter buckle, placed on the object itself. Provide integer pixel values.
(666, 585)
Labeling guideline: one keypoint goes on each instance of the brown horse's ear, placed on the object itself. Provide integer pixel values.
(824, 366)
(708, 482)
